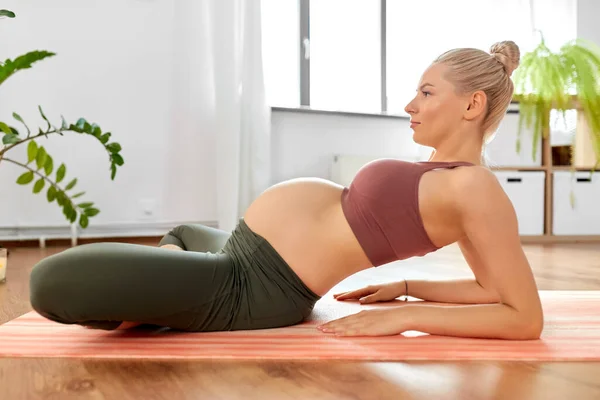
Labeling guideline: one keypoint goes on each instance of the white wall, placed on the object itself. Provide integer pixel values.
(130, 66)
(304, 144)
(124, 65)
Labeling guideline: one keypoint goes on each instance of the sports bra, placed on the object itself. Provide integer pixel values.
(381, 206)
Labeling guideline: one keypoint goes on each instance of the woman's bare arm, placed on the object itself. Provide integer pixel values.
(490, 223)
(460, 291)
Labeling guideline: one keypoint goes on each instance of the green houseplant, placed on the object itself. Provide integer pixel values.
(40, 166)
(563, 80)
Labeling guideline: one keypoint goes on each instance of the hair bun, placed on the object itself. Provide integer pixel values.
(506, 52)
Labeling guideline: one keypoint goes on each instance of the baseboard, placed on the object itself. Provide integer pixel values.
(73, 233)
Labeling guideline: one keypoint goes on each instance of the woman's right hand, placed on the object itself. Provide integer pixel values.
(374, 293)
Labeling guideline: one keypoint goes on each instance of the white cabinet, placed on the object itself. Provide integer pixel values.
(525, 189)
(501, 151)
(583, 216)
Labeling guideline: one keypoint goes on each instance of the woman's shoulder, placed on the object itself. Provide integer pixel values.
(477, 192)
(473, 175)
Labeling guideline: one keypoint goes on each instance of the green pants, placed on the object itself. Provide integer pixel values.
(221, 282)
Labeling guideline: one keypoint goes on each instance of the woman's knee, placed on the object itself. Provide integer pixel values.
(55, 281)
(47, 285)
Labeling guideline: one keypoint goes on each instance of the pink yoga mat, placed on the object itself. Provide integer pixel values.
(571, 333)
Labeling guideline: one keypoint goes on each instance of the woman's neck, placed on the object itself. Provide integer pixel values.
(460, 147)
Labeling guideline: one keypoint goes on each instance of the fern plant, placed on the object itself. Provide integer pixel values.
(564, 80)
(40, 166)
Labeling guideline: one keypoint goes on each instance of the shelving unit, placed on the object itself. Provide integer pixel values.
(548, 168)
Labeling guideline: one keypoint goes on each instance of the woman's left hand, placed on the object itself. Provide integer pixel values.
(379, 322)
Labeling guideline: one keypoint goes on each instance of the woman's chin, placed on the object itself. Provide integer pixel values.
(418, 139)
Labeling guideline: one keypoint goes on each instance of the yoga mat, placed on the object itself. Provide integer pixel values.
(571, 333)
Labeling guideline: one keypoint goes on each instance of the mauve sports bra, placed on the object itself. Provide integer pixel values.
(382, 208)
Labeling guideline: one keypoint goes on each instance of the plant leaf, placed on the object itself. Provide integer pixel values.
(41, 157)
(51, 194)
(85, 205)
(105, 138)
(72, 215)
(39, 185)
(71, 184)
(4, 128)
(10, 139)
(18, 118)
(96, 131)
(49, 165)
(22, 62)
(25, 178)
(83, 221)
(78, 195)
(7, 13)
(44, 116)
(32, 149)
(80, 124)
(117, 159)
(60, 173)
(113, 147)
(60, 198)
(90, 212)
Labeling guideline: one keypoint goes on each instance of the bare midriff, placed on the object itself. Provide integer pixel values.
(304, 222)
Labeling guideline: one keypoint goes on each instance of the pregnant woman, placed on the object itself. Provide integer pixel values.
(301, 237)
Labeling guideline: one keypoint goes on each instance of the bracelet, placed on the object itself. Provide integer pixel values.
(406, 292)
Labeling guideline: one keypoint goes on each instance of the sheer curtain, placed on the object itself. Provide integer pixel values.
(222, 117)
(242, 114)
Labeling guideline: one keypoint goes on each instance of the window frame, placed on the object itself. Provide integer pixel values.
(304, 48)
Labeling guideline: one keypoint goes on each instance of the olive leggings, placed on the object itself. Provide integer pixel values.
(221, 282)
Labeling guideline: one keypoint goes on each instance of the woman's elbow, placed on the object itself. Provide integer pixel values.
(531, 328)
(536, 327)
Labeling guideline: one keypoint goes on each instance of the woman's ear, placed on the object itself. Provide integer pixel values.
(476, 106)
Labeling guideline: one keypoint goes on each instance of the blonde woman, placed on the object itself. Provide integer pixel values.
(301, 237)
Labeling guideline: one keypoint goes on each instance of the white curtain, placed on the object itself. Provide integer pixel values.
(242, 115)
(221, 97)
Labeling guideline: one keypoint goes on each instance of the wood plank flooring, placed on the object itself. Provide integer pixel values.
(556, 266)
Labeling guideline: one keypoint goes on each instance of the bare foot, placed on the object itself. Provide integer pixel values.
(171, 247)
(128, 325)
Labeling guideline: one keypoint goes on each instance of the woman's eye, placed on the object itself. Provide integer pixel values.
(426, 93)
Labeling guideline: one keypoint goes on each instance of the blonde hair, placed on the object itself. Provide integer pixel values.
(471, 70)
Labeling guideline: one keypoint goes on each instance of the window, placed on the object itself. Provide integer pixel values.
(345, 55)
(280, 50)
(415, 39)
(368, 55)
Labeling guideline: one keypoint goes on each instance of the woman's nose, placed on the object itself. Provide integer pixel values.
(410, 108)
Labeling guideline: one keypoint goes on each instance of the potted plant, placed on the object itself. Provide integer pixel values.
(563, 80)
(39, 167)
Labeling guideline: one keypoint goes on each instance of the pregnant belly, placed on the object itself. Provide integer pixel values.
(303, 220)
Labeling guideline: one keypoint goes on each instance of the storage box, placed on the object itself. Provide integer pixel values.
(583, 217)
(525, 189)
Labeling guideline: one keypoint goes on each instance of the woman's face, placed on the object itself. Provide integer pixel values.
(436, 110)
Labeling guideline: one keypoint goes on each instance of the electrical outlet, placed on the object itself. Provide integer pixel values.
(147, 208)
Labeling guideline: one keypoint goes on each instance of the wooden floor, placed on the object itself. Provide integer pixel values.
(562, 266)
